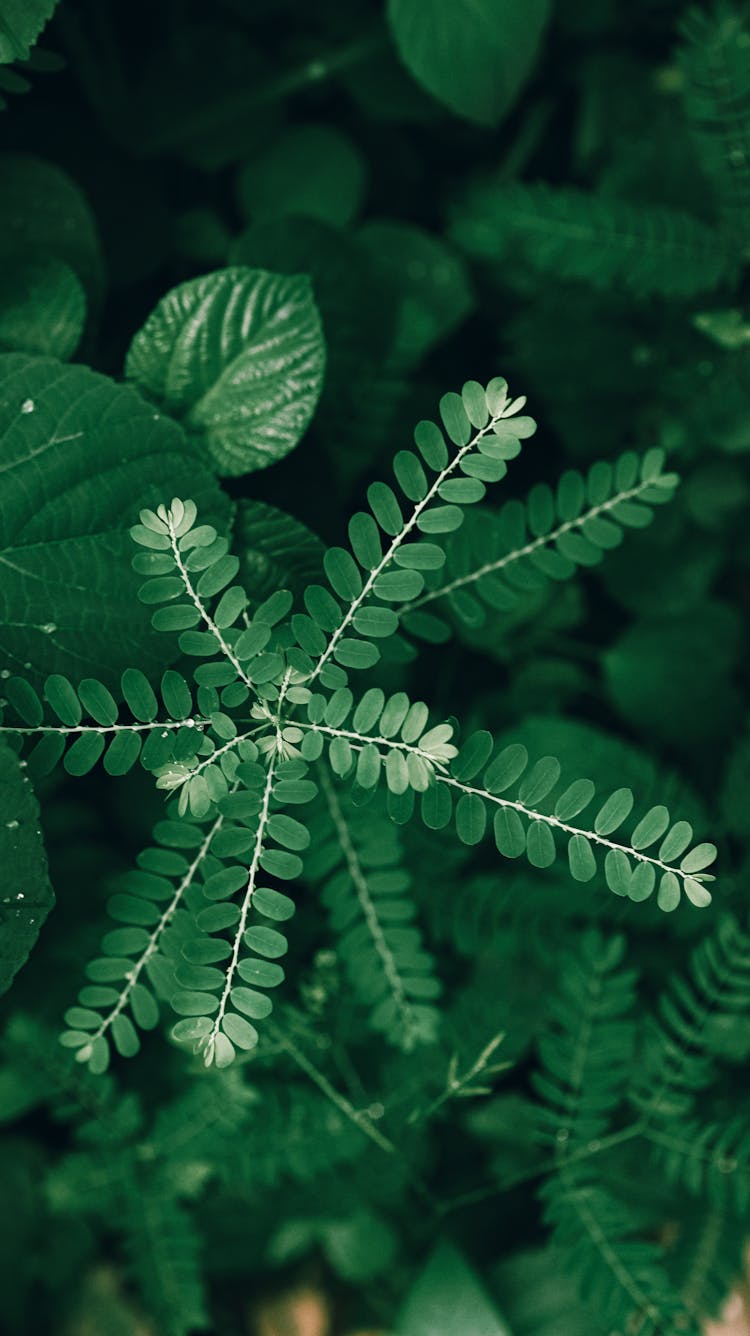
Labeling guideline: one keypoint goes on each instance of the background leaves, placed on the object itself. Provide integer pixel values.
(562, 199)
(473, 56)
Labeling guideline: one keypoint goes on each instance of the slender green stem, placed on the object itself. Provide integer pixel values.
(359, 1117)
(236, 105)
(456, 1084)
(545, 1166)
(68, 729)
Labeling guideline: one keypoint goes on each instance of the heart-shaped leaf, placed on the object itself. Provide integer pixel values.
(238, 356)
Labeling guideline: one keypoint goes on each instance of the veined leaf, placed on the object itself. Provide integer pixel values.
(78, 456)
(239, 356)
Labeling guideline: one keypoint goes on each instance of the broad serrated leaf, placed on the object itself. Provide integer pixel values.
(237, 355)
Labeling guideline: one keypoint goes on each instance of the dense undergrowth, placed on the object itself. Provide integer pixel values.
(374, 432)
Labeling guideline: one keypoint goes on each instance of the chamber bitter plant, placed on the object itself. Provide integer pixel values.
(270, 720)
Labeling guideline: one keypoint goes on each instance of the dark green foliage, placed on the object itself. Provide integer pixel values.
(26, 904)
(373, 733)
(713, 60)
(606, 242)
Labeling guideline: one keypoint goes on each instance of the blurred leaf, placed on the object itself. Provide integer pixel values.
(430, 282)
(44, 214)
(42, 307)
(202, 235)
(540, 1297)
(473, 55)
(360, 1247)
(671, 679)
(314, 170)
(447, 1298)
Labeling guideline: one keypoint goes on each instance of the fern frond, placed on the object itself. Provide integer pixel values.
(677, 1058)
(607, 242)
(82, 724)
(590, 1021)
(521, 825)
(620, 1275)
(293, 1134)
(204, 1124)
(496, 558)
(484, 426)
(163, 1248)
(358, 859)
(711, 1160)
(714, 64)
(217, 1038)
(707, 1262)
(213, 995)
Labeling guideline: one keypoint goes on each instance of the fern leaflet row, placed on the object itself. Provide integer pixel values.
(496, 558)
